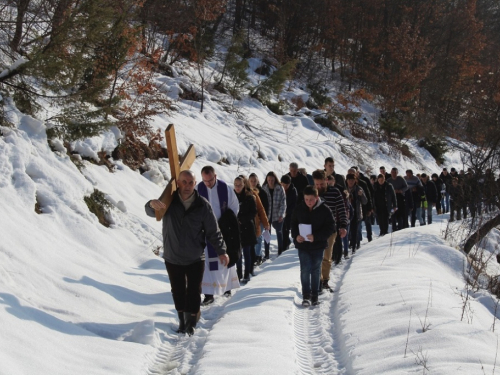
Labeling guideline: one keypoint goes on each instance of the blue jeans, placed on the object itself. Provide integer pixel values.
(445, 199)
(278, 226)
(258, 245)
(310, 271)
(368, 224)
(429, 214)
(345, 240)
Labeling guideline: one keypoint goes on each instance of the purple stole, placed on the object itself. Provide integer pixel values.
(223, 201)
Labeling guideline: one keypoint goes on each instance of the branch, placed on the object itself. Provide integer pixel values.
(36, 93)
(477, 236)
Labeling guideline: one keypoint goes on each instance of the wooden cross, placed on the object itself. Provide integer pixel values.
(176, 168)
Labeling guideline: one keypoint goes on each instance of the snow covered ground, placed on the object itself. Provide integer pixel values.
(79, 298)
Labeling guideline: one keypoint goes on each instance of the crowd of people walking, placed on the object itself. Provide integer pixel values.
(214, 234)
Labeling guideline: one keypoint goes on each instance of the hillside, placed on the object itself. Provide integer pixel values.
(77, 297)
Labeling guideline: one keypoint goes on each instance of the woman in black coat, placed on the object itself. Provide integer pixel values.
(246, 217)
(385, 203)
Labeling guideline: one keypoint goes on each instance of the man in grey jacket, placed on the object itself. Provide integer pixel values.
(188, 222)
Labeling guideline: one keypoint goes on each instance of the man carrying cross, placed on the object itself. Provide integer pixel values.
(217, 279)
(187, 224)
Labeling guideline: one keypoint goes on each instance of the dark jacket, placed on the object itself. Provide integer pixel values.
(230, 228)
(457, 196)
(322, 225)
(246, 218)
(431, 191)
(385, 198)
(264, 199)
(357, 201)
(418, 196)
(409, 204)
(339, 181)
(291, 201)
(185, 231)
(446, 180)
(366, 207)
(369, 185)
(439, 186)
(300, 182)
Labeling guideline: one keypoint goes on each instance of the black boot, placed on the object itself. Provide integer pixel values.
(182, 322)
(190, 320)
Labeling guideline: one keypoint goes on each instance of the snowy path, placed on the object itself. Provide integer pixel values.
(319, 343)
(179, 354)
(313, 344)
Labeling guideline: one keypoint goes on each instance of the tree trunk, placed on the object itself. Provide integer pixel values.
(60, 15)
(481, 233)
(237, 16)
(22, 8)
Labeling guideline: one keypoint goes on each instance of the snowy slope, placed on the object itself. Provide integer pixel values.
(79, 298)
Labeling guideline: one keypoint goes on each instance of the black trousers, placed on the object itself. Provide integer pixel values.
(399, 217)
(185, 282)
(337, 249)
(286, 231)
(383, 222)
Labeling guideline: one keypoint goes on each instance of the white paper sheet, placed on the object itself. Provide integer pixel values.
(304, 230)
(267, 236)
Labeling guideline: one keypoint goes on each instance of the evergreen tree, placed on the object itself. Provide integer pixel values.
(275, 83)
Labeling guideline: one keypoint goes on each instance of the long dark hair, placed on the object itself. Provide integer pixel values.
(276, 179)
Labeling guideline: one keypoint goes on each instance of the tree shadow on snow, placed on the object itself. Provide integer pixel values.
(155, 276)
(123, 294)
(41, 317)
(153, 264)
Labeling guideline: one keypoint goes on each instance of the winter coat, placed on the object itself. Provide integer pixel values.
(357, 201)
(471, 188)
(322, 225)
(185, 232)
(277, 202)
(369, 185)
(457, 196)
(490, 187)
(292, 198)
(300, 182)
(446, 180)
(310, 179)
(263, 198)
(230, 228)
(439, 186)
(339, 181)
(409, 204)
(367, 207)
(335, 202)
(385, 197)
(418, 196)
(261, 217)
(431, 192)
(399, 183)
(246, 218)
